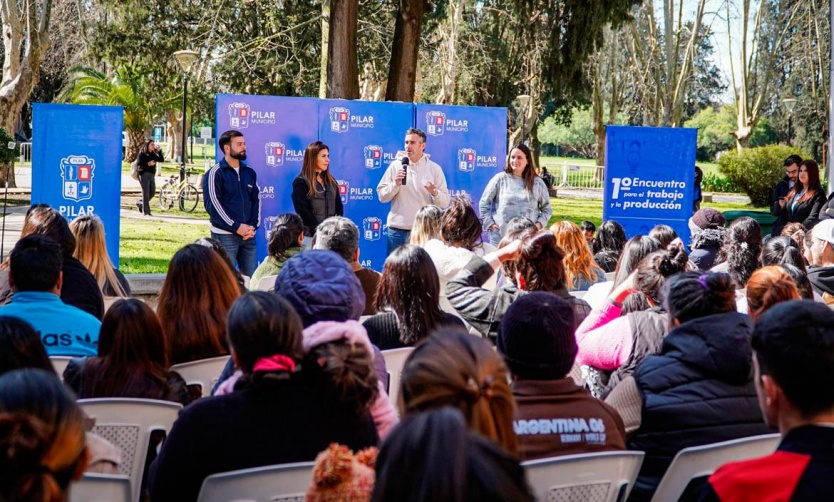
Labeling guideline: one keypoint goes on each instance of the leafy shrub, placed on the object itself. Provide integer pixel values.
(714, 183)
(7, 155)
(756, 171)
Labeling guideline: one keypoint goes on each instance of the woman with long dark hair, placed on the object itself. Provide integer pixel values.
(408, 299)
(608, 244)
(131, 362)
(277, 413)
(804, 201)
(198, 292)
(285, 241)
(636, 248)
(149, 156)
(315, 192)
(740, 255)
(516, 191)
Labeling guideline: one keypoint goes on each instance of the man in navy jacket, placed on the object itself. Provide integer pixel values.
(231, 196)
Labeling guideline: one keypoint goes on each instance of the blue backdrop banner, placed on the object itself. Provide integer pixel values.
(364, 137)
(77, 163)
(649, 175)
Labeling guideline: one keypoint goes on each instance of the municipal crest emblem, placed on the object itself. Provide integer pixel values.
(435, 123)
(339, 119)
(372, 228)
(77, 173)
(373, 156)
(239, 115)
(466, 160)
(274, 154)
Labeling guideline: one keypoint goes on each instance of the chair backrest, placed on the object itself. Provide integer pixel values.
(609, 276)
(699, 461)
(594, 477)
(203, 372)
(101, 488)
(267, 283)
(60, 363)
(394, 362)
(275, 483)
(578, 294)
(128, 424)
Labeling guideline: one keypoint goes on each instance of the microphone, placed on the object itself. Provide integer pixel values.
(405, 167)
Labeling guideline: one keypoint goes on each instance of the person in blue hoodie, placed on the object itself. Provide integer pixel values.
(36, 277)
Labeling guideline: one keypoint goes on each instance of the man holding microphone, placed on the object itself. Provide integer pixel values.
(410, 182)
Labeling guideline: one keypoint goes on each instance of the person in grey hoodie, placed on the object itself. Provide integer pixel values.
(707, 227)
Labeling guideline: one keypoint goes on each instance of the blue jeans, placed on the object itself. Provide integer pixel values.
(396, 238)
(240, 252)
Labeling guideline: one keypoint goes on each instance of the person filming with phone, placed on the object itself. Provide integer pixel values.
(410, 182)
(149, 156)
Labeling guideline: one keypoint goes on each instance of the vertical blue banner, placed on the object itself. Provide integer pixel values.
(364, 138)
(649, 176)
(277, 130)
(468, 142)
(77, 163)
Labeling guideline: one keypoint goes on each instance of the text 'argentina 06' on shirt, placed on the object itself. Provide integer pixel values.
(64, 329)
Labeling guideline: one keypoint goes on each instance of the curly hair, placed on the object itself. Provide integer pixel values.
(579, 262)
(460, 225)
(742, 249)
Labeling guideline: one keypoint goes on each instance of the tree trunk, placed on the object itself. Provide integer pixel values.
(174, 136)
(448, 63)
(135, 138)
(402, 71)
(3, 169)
(342, 70)
(325, 50)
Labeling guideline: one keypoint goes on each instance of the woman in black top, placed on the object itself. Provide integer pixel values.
(805, 200)
(408, 299)
(315, 193)
(150, 154)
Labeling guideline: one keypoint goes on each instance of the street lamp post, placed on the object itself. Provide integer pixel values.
(185, 59)
(789, 103)
(523, 102)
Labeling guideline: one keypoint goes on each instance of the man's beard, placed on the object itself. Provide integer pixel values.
(238, 155)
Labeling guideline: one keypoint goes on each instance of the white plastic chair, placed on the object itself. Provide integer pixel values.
(578, 294)
(267, 283)
(699, 461)
(394, 362)
(128, 424)
(204, 372)
(275, 483)
(101, 488)
(594, 477)
(60, 363)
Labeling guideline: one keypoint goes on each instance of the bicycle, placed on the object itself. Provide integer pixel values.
(182, 191)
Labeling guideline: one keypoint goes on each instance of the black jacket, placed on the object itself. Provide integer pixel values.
(698, 390)
(807, 213)
(144, 158)
(705, 247)
(822, 279)
(304, 207)
(827, 210)
(232, 199)
(781, 190)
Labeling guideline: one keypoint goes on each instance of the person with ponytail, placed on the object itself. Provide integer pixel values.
(453, 368)
(698, 389)
(536, 265)
(782, 250)
(285, 241)
(740, 255)
(767, 287)
(612, 342)
(42, 438)
(315, 192)
(285, 408)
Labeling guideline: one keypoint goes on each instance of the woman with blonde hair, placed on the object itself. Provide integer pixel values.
(453, 368)
(91, 251)
(767, 287)
(581, 270)
(198, 292)
(426, 225)
(315, 192)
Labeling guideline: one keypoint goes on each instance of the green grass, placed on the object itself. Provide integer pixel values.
(148, 245)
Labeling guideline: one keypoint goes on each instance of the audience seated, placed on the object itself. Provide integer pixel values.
(341, 235)
(740, 255)
(664, 234)
(588, 230)
(339, 475)
(821, 272)
(767, 287)
(42, 440)
(636, 248)
(452, 368)
(612, 344)
(698, 390)
(803, 285)
(459, 240)
(537, 267)
(581, 271)
(426, 225)
(131, 359)
(408, 301)
(91, 251)
(793, 353)
(285, 241)
(35, 266)
(536, 338)
(276, 414)
(608, 244)
(197, 293)
(708, 233)
(432, 456)
(781, 250)
(214, 244)
(79, 287)
(796, 231)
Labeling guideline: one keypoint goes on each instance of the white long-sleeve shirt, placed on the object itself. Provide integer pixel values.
(407, 199)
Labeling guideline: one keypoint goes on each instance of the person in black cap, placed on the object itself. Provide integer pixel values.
(554, 416)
